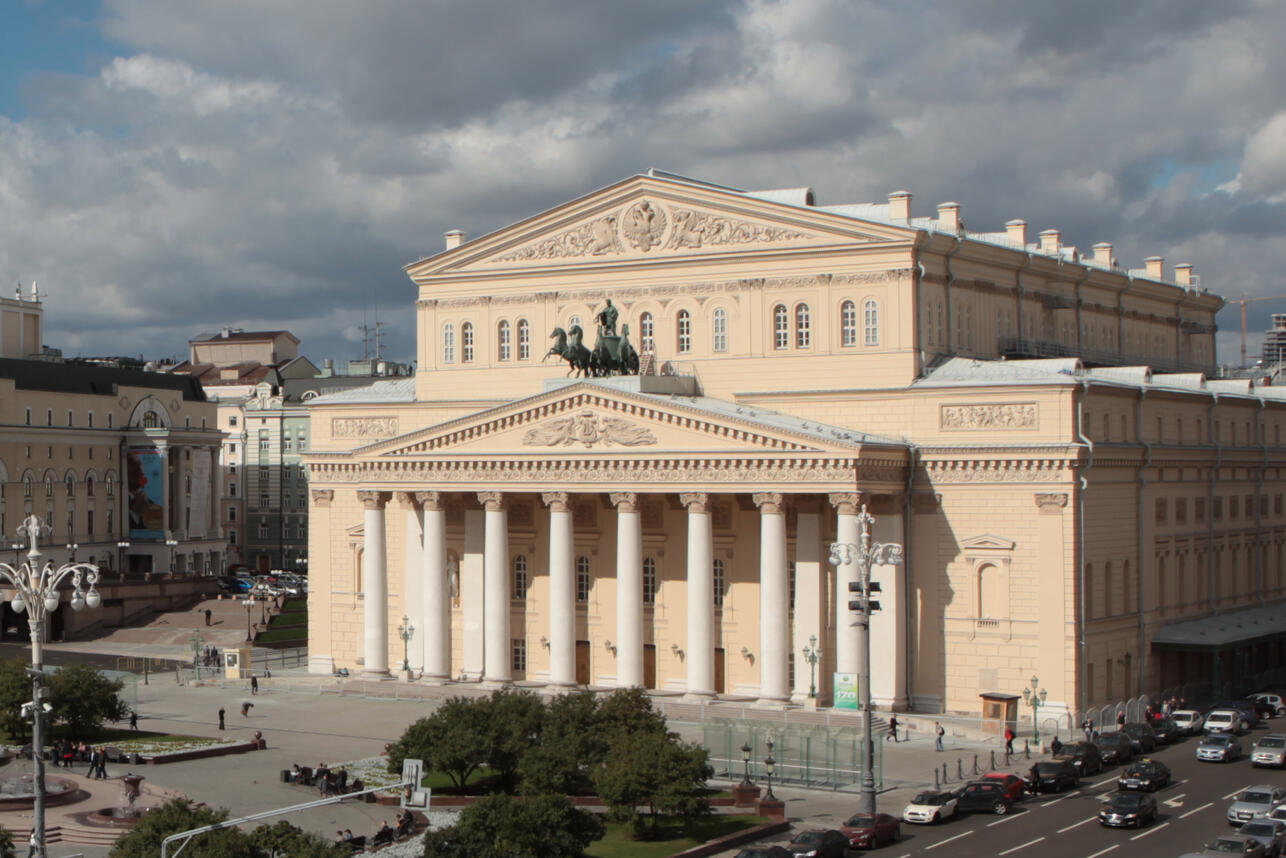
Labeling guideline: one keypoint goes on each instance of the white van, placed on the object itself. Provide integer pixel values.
(1223, 721)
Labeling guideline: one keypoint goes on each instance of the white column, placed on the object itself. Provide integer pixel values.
(629, 590)
(412, 572)
(562, 591)
(699, 650)
(888, 625)
(774, 619)
(435, 646)
(809, 624)
(471, 595)
(497, 658)
(374, 584)
(848, 638)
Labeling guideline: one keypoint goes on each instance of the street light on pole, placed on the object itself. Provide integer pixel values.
(769, 765)
(1035, 698)
(812, 655)
(405, 631)
(172, 543)
(248, 603)
(36, 593)
(865, 554)
(122, 547)
(71, 552)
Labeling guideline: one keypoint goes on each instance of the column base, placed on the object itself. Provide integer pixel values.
(893, 704)
(381, 675)
(496, 683)
(700, 696)
(435, 678)
(772, 703)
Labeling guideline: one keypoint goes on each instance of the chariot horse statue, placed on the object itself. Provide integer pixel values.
(614, 354)
(567, 345)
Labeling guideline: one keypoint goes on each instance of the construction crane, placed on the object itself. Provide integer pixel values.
(1243, 301)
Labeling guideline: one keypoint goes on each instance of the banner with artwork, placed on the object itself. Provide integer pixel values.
(199, 498)
(846, 690)
(146, 469)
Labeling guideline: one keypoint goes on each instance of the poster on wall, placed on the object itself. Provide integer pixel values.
(198, 505)
(845, 690)
(146, 466)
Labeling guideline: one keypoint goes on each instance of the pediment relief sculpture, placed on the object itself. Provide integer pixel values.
(588, 428)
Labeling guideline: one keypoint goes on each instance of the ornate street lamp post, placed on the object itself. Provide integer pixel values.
(1035, 699)
(172, 543)
(248, 604)
(745, 764)
(812, 655)
(405, 631)
(36, 592)
(865, 554)
(122, 547)
(769, 766)
(196, 655)
(71, 552)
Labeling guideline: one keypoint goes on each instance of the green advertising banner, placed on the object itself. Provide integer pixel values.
(845, 690)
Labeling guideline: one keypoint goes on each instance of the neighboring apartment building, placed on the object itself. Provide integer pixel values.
(1033, 424)
(1275, 342)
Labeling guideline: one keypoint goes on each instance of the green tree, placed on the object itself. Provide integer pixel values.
(83, 698)
(15, 690)
(284, 840)
(514, 718)
(656, 771)
(629, 712)
(144, 840)
(6, 844)
(572, 743)
(455, 739)
(497, 826)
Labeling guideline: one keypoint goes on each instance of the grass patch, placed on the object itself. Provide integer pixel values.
(674, 836)
(297, 633)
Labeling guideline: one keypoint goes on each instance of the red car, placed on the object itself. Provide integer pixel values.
(1015, 786)
(869, 830)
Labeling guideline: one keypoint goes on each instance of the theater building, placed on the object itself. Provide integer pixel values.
(1034, 424)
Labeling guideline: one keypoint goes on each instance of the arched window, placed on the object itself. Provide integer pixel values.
(448, 343)
(871, 323)
(502, 339)
(720, 583)
(719, 325)
(524, 340)
(71, 485)
(573, 322)
(26, 486)
(90, 485)
(111, 486)
(466, 342)
(649, 581)
(848, 324)
(780, 327)
(151, 420)
(989, 592)
(49, 484)
(803, 327)
(520, 577)
(647, 333)
(685, 332)
(582, 579)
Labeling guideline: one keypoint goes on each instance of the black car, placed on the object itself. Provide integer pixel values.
(1142, 739)
(1167, 730)
(1128, 810)
(765, 852)
(1263, 708)
(983, 797)
(1115, 747)
(819, 843)
(1085, 756)
(1146, 774)
(1053, 776)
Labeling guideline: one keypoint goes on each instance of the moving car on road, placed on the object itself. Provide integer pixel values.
(1015, 786)
(1054, 776)
(983, 797)
(931, 807)
(1128, 810)
(1269, 751)
(1084, 756)
(1233, 844)
(1167, 730)
(1270, 833)
(1189, 719)
(1258, 800)
(1223, 721)
(1142, 739)
(818, 843)
(1219, 748)
(1146, 774)
(1115, 747)
(869, 830)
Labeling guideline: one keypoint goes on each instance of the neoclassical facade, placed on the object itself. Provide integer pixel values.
(1034, 425)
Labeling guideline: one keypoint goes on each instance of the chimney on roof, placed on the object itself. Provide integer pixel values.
(225, 333)
(1155, 267)
(900, 206)
(1050, 240)
(1183, 274)
(949, 217)
(454, 237)
(1103, 254)
(1016, 230)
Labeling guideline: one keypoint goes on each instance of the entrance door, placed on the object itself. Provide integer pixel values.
(649, 665)
(582, 662)
(718, 671)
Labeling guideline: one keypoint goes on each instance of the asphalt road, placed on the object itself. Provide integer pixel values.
(1066, 825)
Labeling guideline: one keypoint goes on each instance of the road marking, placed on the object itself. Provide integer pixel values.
(1195, 810)
(1174, 802)
(1100, 783)
(1076, 824)
(1234, 792)
(1024, 846)
(1004, 819)
(948, 840)
(1060, 798)
(1104, 851)
(1151, 830)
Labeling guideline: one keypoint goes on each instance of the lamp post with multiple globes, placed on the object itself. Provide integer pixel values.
(1035, 698)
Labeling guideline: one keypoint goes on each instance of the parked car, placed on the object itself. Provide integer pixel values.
(235, 586)
(1015, 787)
(1223, 721)
(869, 830)
(1085, 757)
(1269, 833)
(1167, 730)
(1145, 774)
(1247, 709)
(1115, 747)
(1219, 748)
(1270, 750)
(983, 797)
(1053, 776)
(1258, 800)
(931, 807)
(1233, 844)
(1271, 698)
(1142, 739)
(818, 843)
(1189, 719)
(1128, 810)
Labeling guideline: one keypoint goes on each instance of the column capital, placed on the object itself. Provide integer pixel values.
(323, 497)
(695, 501)
(845, 503)
(769, 503)
(556, 501)
(1050, 503)
(430, 500)
(372, 500)
(404, 499)
(625, 501)
(492, 501)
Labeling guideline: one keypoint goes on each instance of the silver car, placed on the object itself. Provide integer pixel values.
(1271, 834)
(1219, 748)
(1255, 801)
(1269, 751)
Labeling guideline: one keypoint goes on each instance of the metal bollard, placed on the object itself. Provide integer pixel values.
(959, 768)
(993, 759)
(1006, 756)
(975, 764)
(937, 784)
(1026, 749)
(945, 777)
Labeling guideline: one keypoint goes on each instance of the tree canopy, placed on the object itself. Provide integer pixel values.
(497, 826)
(83, 698)
(281, 840)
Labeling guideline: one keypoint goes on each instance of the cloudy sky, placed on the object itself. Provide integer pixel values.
(171, 166)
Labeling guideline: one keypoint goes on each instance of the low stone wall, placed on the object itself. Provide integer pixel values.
(202, 753)
(731, 841)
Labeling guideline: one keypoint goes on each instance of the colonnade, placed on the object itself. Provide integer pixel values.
(485, 591)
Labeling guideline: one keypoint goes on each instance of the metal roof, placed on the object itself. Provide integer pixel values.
(1230, 628)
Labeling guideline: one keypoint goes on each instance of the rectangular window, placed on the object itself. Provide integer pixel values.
(520, 654)
(91, 420)
(286, 443)
(232, 420)
(720, 330)
(1161, 510)
(232, 513)
(70, 417)
(28, 416)
(582, 579)
(110, 420)
(263, 440)
(1234, 507)
(263, 475)
(1180, 510)
(263, 528)
(1216, 509)
(232, 536)
(1277, 505)
(89, 522)
(1199, 509)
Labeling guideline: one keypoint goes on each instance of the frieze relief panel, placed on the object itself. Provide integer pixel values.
(363, 427)
(1007, 415)
(588, 429)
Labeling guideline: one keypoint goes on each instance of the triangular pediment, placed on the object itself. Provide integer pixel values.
(987, 542)
(653, 216)
(593, 420)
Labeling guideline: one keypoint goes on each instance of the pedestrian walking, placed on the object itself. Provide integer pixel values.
(1055, 746)
(938, 733)
(133, 720)
(33, 845)
(1009, 740)
(1120, 720)
(221, 713)
(101, 768)
(893, 729)
(245, 709)
(1088, 726)
(208, 614)
(254, 684)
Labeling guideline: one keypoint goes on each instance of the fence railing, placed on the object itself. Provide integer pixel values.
(805, 755)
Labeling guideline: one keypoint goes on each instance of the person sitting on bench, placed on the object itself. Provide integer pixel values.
(383, 836)
(405, 824)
